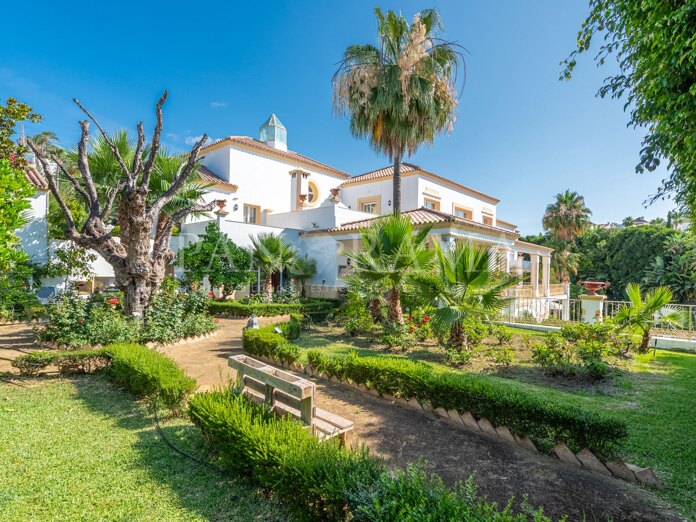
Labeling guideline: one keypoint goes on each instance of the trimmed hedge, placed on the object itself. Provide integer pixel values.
(148, 373)
(141, 370)
(317, 309)
(266, 342)
(321, 481)
(545, 420)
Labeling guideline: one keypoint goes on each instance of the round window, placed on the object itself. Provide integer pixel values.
(312, 193)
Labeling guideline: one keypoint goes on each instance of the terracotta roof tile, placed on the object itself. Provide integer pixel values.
(420, 216)
(288, 155)
(387, 172)
(35, 177)
(207, 175)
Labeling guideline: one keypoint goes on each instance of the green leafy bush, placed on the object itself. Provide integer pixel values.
(148, 373)
(76, 322)
(265, 342)
(354, 316)
(317, 309)
(396, 335)
(67, 362)
(503, 335)
(320, 480)
(545, 419)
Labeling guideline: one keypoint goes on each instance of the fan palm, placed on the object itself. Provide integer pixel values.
(271, 253)
(565, 263)
(303, 269)
(567, 217)
(372, 292)
(466, 285)
(647, 312)
(392, 251)
(400, 94)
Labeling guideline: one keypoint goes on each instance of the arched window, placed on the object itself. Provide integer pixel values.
(312, 193)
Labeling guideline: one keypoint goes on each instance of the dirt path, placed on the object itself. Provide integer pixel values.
(401, 436)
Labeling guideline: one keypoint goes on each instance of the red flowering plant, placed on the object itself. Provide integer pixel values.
(418, 324)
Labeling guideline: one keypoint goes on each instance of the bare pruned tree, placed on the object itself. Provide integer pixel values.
(139, 258)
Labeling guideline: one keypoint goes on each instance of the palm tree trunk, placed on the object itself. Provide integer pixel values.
(457, 337)
(269, 285)
(396, 197)
(395, 313)
(644, 342)
(375, 308)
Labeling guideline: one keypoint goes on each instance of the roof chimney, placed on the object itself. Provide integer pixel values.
(273, 133)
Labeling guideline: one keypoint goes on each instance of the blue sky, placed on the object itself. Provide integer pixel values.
(521, 134)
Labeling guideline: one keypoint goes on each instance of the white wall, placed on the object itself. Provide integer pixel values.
(263, 181)
(448, 197)
(33, 236)
(328, 216)
(384, 188)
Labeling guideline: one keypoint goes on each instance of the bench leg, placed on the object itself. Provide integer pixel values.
(306, 410)
(345, 438)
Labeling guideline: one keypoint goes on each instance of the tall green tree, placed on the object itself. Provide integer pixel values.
(12, 113)
(132, 197)
(14, 193)
(567, 217)
(654, 44)
(401, 93)
(271, 253)
(218, 258)
(391, 253)
(466, 285)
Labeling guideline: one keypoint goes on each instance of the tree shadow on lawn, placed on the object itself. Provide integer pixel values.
(213, 495)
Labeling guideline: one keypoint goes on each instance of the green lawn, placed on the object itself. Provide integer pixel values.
(80, 449)
(655, 395)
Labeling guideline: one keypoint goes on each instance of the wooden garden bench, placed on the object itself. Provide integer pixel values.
(288, 394)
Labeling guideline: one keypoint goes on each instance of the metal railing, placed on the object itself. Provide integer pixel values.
(552, 311)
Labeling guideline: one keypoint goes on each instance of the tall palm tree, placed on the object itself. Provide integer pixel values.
(401, 93)
(303, 268)
(45, 140)
(565, 263)
(391, 252)
(271, 253)
(466, 285)
(567, 217)
(647, 312)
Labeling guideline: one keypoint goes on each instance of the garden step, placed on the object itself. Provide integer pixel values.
(563, 452)
(588, 459)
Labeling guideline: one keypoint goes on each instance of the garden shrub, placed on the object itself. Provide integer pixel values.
(544, 418)
(320, 480)
(503, 335)
(396, 335)
(148, 373)
(76, 322)
(265, 342)
(354, 315)
(67, 362)
(317, 309)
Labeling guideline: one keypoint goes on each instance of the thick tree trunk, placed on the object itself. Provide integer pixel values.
(375, 308)
(395, 313)
(457, 337)
(269, 286)
(396, 197)
(644, 342)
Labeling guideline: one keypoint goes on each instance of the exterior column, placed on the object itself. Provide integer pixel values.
(546, 275)
(592, 307)
(504, 260)
(534, 274)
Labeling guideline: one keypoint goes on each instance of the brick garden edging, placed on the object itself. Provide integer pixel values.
(585, 458)
(28, 323)
(151, 344)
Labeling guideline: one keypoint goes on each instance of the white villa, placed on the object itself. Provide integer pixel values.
(261, 186)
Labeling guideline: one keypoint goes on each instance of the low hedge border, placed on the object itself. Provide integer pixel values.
(141, 370)
(149, 344)
(317, 309)
(320, 480)
(546, 421)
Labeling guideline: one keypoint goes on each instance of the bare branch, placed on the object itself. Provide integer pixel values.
(181, 214)
(71, 178)
(180, 179)
(111, 144)
(155, 145)
(71, 231)
(110, 198)
(83, 165)
(138, 159)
